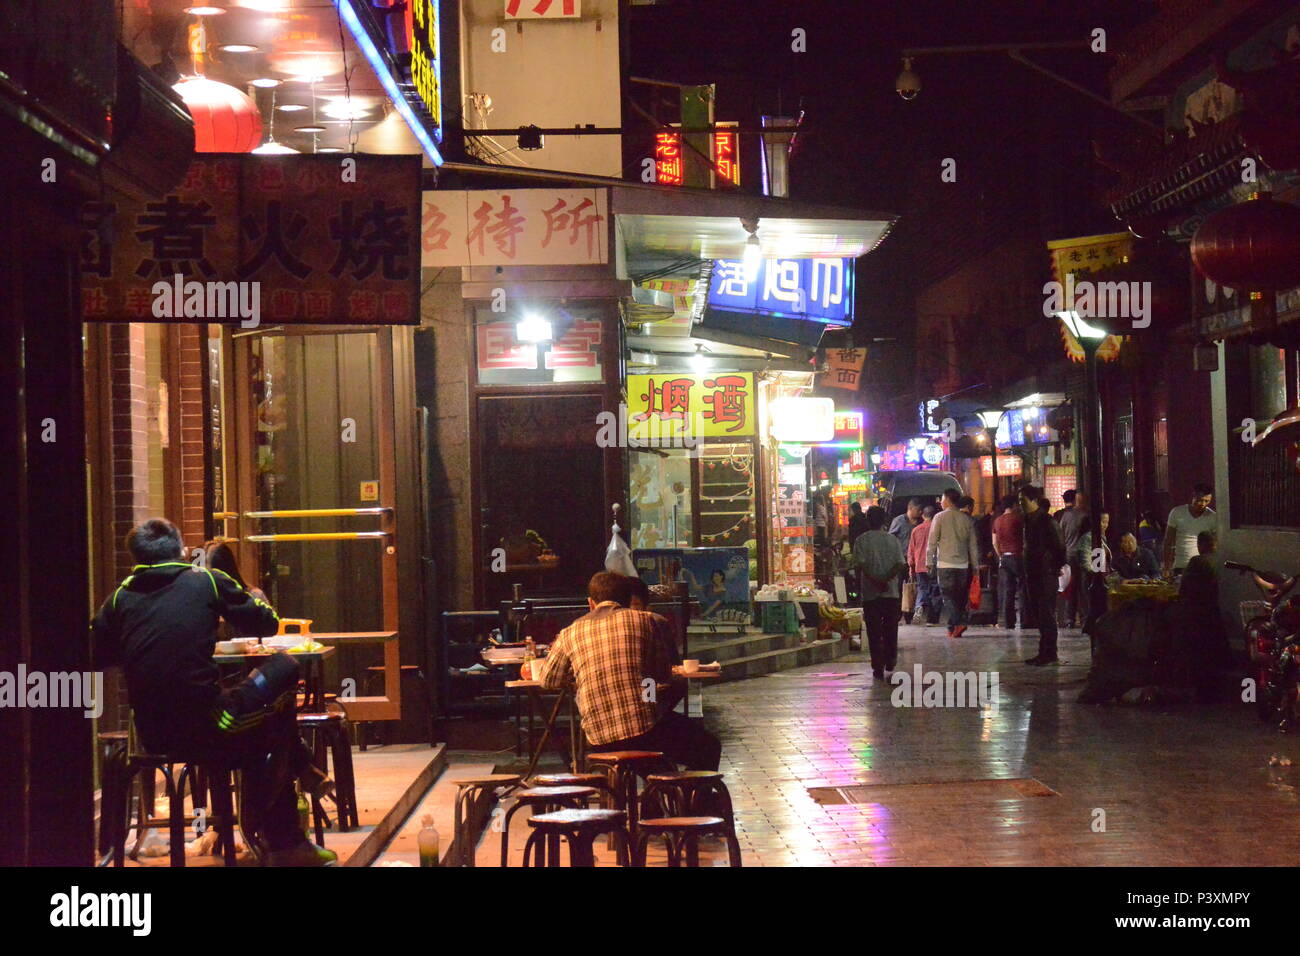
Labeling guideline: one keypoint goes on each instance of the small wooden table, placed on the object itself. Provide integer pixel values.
(313, 673)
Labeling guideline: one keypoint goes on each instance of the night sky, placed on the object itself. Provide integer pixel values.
(1023, 144)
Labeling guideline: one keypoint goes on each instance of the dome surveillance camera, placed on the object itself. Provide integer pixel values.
(908, 83)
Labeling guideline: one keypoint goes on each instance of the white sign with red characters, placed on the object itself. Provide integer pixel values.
(543, 9)
(515, 227)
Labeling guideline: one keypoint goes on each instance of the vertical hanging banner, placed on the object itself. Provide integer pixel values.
(262, 239)
(668, 158)
(726, 154)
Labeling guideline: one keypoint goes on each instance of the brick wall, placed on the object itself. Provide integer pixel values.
(128, 451)
(187, 402)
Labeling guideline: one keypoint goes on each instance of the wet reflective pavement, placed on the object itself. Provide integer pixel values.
(1189, 785)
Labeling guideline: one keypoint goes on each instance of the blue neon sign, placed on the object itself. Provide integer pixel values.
(816, 289)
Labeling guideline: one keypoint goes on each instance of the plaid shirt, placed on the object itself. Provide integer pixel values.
(609, 654)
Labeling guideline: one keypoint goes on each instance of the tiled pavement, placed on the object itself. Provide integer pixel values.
(1178, 785)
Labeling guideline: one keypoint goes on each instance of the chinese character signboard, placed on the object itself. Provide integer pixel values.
(426, 65)
(1078, 257)
(670, 405)
(1009, 466)
(726, 155)
(843, 368)
(288, 232)
(668, 158)
(542, 9)
(572, 356)
(817, 289)
(515, 227)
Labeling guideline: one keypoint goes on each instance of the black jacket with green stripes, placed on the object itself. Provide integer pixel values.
(160, 625)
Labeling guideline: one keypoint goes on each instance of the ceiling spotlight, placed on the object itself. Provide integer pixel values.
(329, 149)
(309, 129)
(272, 148)
(266, 82)
(204, 11)
(238, 48)
(530, 137)
(345, 110)
(533, 328)
(908, 83)
(699, 361)
(290, 107)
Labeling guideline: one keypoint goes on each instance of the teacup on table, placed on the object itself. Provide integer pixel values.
(690, 667)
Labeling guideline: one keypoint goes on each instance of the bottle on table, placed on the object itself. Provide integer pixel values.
(427, 840)
(530, 655)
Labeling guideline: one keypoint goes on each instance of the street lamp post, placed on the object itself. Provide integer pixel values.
(991, 418)
(1090, 338)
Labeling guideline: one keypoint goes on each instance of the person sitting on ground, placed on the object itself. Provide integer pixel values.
(615, 657)
(160, 626)
(1135, 562)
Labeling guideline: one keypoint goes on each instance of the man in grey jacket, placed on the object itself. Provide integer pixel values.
(954, 555)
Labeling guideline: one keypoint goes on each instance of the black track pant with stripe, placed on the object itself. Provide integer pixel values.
(253, 729)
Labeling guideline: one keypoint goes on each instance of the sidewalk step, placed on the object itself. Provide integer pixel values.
(745, 645)
(754, 665)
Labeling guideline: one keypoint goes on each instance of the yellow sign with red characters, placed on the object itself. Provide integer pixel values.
(672, 405)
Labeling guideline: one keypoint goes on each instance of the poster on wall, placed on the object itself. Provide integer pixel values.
(1057, 480)
(718, 578)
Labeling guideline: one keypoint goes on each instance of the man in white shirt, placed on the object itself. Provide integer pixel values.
(1185, 523)
(954, 553)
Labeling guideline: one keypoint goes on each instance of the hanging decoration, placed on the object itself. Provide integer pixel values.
(226, 120)
(1253, 246)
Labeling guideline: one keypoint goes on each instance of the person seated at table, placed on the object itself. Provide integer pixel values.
(1198, 643)
(160, 626)
(615, 657)
(220, 556)
(1135, 561)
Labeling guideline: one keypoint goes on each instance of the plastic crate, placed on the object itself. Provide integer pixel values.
(779, 617)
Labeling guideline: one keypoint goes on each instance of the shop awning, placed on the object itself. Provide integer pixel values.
(658, 226)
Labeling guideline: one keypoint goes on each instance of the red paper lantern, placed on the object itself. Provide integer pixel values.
(1252, 246)
(226, 120)
(1160, 264)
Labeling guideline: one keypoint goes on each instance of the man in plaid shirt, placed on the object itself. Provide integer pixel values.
(616, 656)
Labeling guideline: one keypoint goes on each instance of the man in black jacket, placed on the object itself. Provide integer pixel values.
(160, 626)
(1044, 553)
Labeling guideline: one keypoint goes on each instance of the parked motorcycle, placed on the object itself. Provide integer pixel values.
(1272, 637)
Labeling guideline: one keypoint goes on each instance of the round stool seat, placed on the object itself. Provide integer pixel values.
(686, 776)
(568, 780)
(489, 780)
(624, 756)
(554, 794)
(564, 820)
(665, 824)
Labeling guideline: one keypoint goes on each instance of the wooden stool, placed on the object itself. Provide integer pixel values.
(680, 833)
(580, 828)
(622, 768)
(692, 793)
(467, 792)
(598, 780)
(542, 800)
(140, 768)
(328, 735)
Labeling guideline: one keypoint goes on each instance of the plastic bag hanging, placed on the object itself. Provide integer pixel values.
(618, 556)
